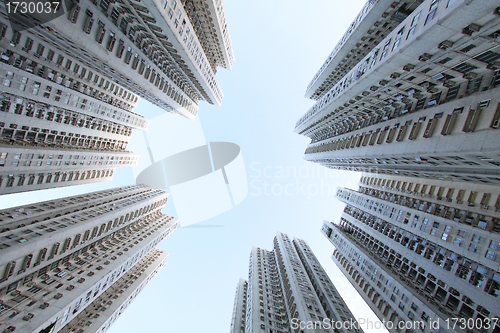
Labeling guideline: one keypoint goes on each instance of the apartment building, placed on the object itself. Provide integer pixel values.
(79, 257)
(105, 309)
(422, 250)
(164, 51)
(423, 102)
(240, 307)
(288, 291)
(61, 124)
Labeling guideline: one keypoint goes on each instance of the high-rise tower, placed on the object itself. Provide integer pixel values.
(90, 253)
(240, 307)
(422, 102)
(422, 250)
(61, 123)
(288, 291)
(167, 52)
(70, 85)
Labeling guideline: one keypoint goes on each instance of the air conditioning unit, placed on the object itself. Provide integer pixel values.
(449, 83)
(445, 44)
(471, 28)
(470, 75)
(494, 65)
(425, 57)
(474, 27)
(408, 67)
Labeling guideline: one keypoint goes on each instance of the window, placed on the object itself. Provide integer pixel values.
(20, 182)
(415, 19)
(494, 245)
(386, 47)
(472, 248)
(430, 16)
(476, 239)
(434, 4)
(10, 181)
(491, 255)
(398, 38)
(468, 48)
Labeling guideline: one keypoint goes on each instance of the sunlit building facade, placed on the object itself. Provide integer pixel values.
(105, 309)
(423, 102)
(61, 122)
(167, 52)
(288, 291)
(421, 250)
(75, 263)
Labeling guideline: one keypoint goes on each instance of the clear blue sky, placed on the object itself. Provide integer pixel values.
(278, 47)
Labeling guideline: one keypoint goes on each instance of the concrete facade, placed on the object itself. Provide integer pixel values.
(421, 250)
(288, 291)
(240, 308)
(428, 89)
(59, 256)
(159, 50)
(61, 123)
(106, 308)
(374, 22)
